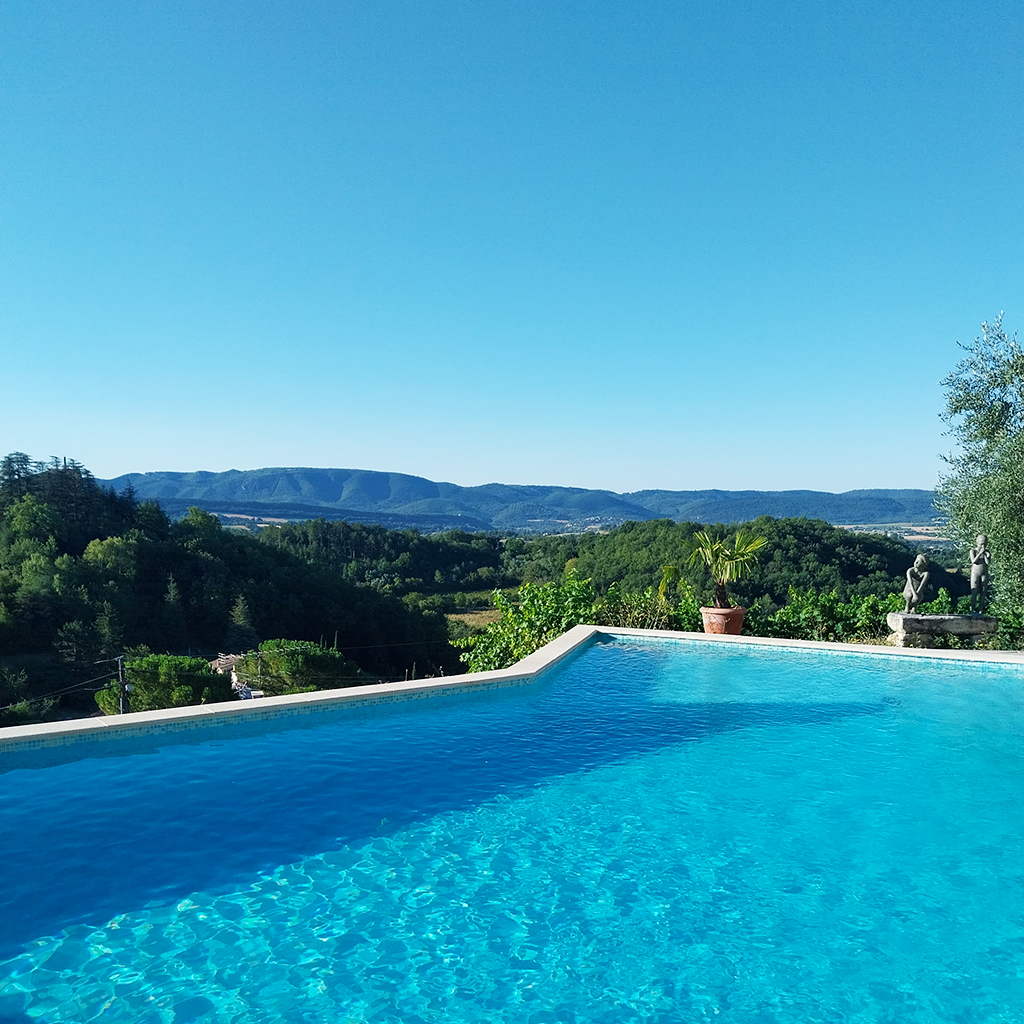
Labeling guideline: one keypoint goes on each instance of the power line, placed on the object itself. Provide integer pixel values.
(56, 693)
(403, 643)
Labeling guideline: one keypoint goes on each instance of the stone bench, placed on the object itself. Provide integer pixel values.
(912, 630)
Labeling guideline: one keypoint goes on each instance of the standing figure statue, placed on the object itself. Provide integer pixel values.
(980, 558)
(917, 580)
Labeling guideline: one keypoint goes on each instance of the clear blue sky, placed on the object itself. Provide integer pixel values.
(623, 245)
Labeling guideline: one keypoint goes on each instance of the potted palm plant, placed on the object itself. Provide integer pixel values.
(726, 563)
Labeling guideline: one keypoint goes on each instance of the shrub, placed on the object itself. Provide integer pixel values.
(166, 681)
(541, 614)
(808, 615)
(298, 666)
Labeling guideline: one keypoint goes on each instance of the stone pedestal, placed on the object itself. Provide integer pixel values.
(921, 630)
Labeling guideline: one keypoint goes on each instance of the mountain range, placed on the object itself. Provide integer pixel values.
(397, 500)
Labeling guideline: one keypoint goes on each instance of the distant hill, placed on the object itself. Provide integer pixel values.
(397, 500)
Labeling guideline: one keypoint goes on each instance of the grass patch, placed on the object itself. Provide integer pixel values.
(476, 620)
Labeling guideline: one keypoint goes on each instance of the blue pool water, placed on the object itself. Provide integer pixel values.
(656, 832)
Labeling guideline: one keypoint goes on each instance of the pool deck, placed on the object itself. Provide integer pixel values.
(577, 639)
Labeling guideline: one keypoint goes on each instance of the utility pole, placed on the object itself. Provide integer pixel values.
(124, 686)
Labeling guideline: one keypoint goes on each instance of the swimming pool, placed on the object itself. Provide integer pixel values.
(655, 831)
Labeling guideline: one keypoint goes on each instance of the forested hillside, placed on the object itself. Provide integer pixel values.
(86, 573)
(398, 561)
(398, 500)
(802, 553)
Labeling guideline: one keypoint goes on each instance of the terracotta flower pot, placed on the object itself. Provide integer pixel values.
(723, 620)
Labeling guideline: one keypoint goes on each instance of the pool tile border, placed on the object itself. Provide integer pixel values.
(882, 650)
(531, 668)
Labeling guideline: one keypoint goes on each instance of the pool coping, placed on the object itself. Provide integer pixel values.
(531, 668)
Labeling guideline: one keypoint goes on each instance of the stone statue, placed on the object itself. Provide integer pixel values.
(917, 580)
(980, 558)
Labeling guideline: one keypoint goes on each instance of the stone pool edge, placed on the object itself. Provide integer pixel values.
(146, 723)
(531, 668)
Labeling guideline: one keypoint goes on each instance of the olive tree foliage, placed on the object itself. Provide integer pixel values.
(983, 490)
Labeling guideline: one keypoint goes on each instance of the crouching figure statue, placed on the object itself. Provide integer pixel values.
(917, 580)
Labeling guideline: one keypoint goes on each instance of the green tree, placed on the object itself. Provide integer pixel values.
(109, 631)
(298, 666)
(983, 491)
(76, 643)
(173, 617)
(16, 471)
(115, 557)
(166, 681)
(152, 521)
(240, 636)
